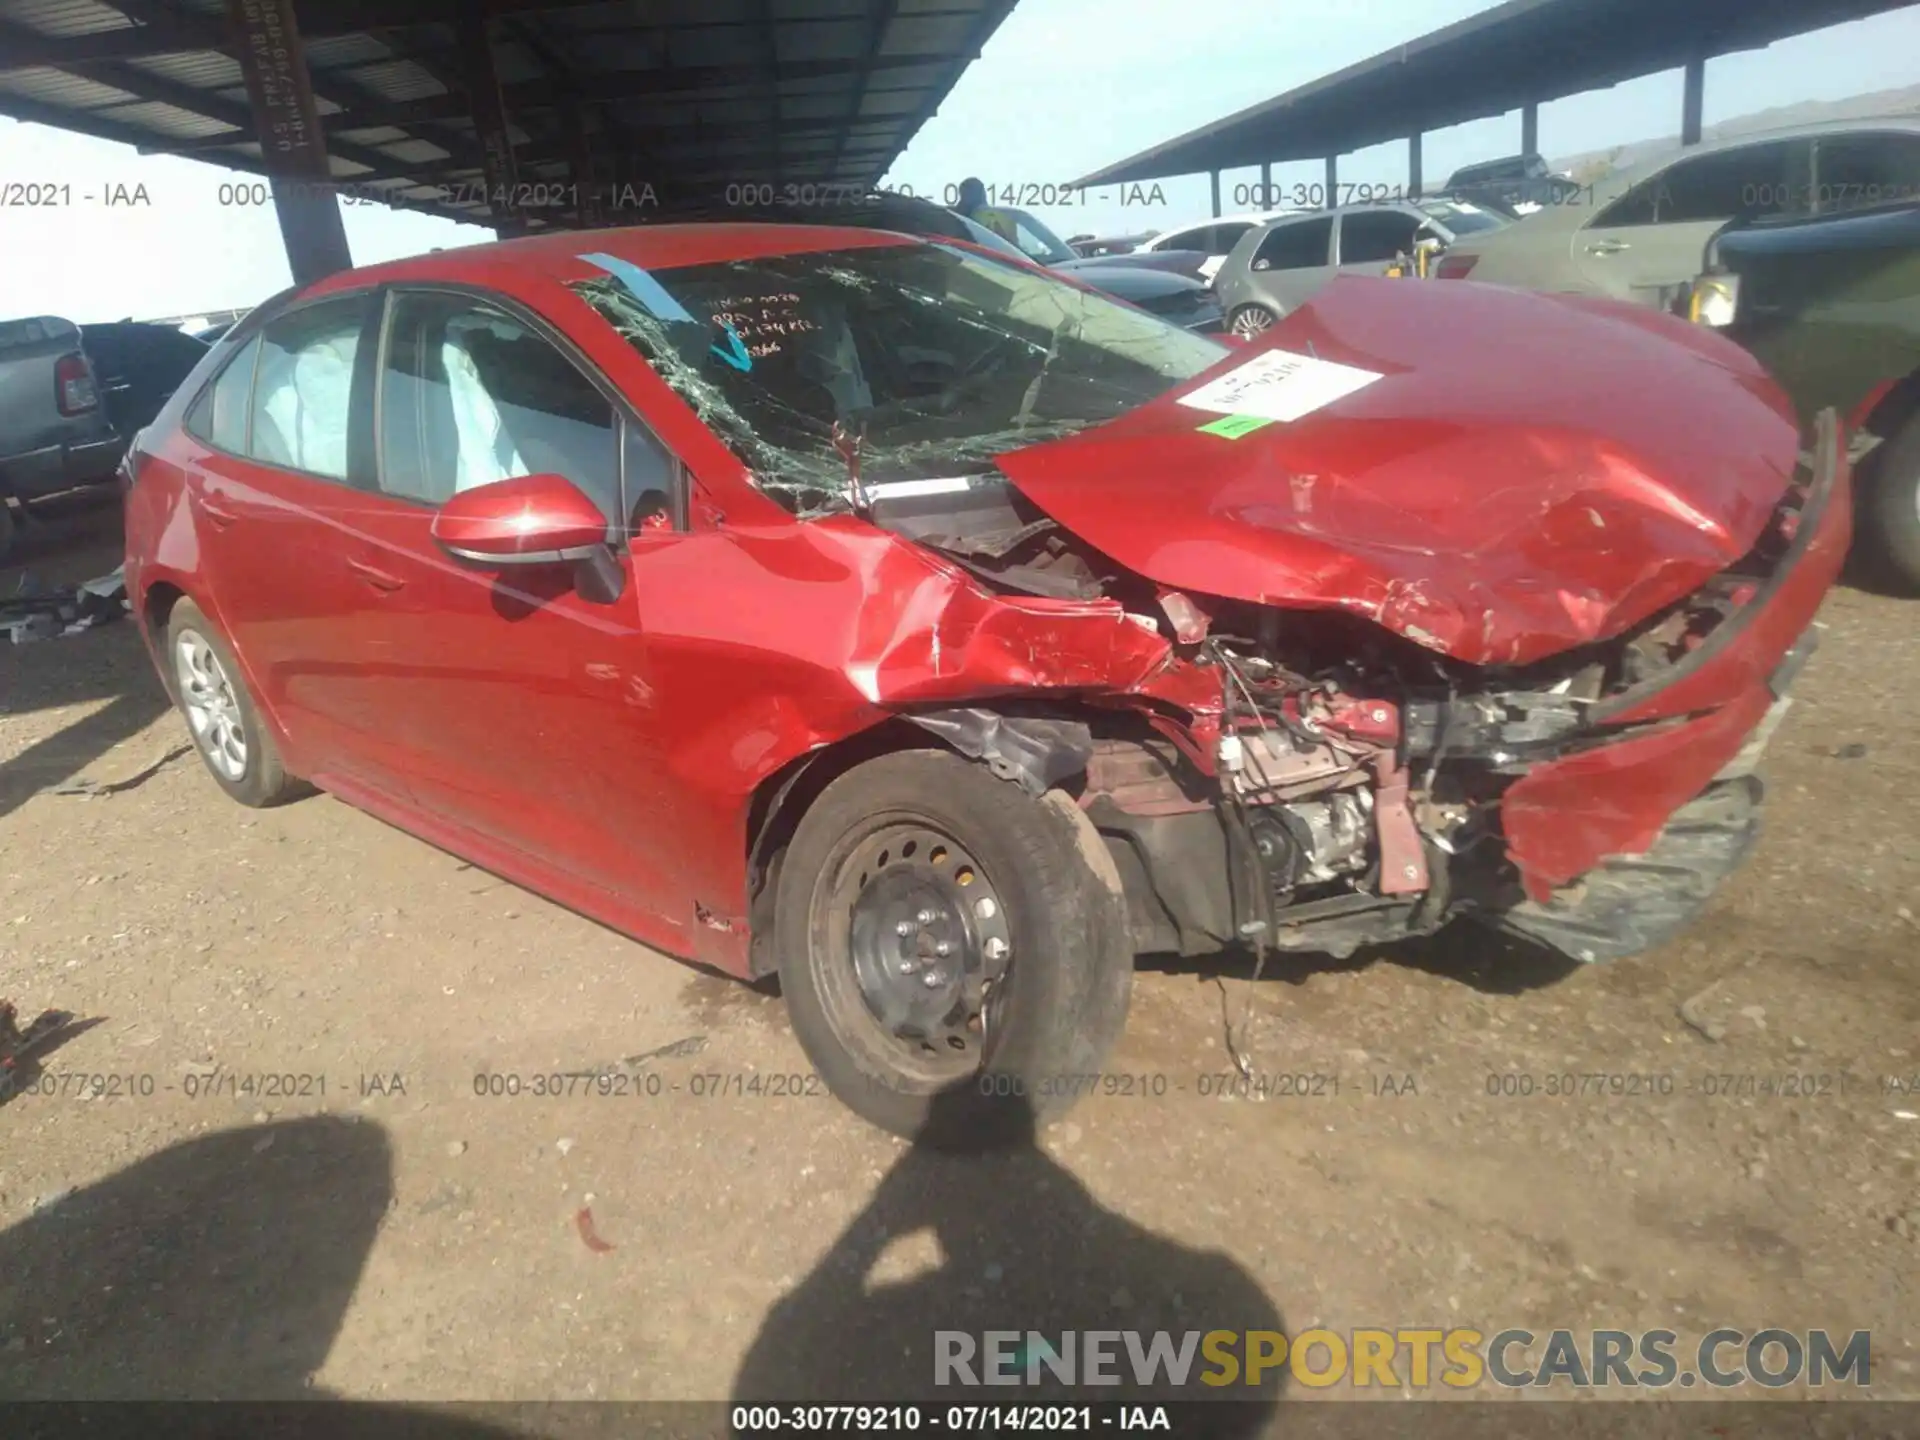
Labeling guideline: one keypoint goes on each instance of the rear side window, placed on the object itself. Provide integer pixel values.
(1860, 170)
(1752, 179)
(1297, 245)
(303, 386)
(469, 395)
(1220, 239)
(1368, 236)
(231, 396)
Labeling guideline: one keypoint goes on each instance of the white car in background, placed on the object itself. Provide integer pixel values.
(1638, 233)
(1213, 238)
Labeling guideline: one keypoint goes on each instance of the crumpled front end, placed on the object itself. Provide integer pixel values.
(1311, 700)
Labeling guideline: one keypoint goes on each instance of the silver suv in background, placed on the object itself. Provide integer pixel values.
(1637, 234)
(1282, 263)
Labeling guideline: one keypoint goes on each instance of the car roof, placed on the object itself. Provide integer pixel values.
(558, 255)
(1611, 186)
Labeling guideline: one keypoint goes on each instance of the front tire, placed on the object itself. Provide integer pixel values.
(1889, 508)
(234, 743)
(955, 965)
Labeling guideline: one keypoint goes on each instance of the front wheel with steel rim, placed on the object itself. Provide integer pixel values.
(955, 962)
(1251, 320)
(1887, 508)
(221, 717)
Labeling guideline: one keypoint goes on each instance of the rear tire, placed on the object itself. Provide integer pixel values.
(976, 1043)
(1251, 321)
(1888, 509)
(233, 742)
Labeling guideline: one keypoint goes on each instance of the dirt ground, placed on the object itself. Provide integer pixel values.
(402, 1237)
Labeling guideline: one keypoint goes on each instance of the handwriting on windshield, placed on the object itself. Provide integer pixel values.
(763, 322)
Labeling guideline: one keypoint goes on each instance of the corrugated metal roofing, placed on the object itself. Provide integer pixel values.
(1518, 53)
(686, 96)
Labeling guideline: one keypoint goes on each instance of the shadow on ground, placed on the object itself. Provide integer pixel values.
(1481, 958)
(76, 540)
(960, 1240)
(220, 1267)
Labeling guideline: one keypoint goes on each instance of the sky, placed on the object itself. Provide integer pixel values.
(1062, 88)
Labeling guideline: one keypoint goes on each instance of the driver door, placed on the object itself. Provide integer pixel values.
(520, 708)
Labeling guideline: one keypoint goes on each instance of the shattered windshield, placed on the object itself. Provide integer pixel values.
(825, 371)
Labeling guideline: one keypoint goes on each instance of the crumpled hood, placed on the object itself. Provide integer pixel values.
(1526, 474)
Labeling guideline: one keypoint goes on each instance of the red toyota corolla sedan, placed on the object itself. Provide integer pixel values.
(939, 634)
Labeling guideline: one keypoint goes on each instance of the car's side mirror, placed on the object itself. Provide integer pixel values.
(531, 520)
(528, 520)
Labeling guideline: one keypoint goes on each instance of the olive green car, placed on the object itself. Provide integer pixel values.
(1831, 305)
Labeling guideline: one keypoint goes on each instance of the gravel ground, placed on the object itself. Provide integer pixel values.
(402, 1237)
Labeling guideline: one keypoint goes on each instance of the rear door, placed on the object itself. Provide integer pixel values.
(1292, 262)
(286, 464)
(1648, 242)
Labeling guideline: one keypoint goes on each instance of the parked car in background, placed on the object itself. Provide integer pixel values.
(1213, 239)
(1514, 185)
(1637, 234)
(1092, 247)
(938, 634)
(1163, 291)
(139, 366)
(72, 396)
(1831, 306)
(1282, 264)
(1037, 242)
(54, 431)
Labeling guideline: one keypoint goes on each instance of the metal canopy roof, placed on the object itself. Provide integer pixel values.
(685, 96)
(1516, 54)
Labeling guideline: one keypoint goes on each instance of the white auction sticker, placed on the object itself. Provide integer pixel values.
(1279, 385)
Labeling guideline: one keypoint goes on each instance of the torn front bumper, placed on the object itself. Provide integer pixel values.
(1619, 845)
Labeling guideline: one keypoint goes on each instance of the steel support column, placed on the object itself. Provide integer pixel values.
(291, 142)
(1693, 96)
(587, 210)
(489, 115)
(1266, 186)
(1529, 129)
(1213, 177)
(1333, 181)
(1413, 163)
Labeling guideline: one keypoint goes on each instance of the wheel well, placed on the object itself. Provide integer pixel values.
(159, 603)
(785, 796)
(1895, 408)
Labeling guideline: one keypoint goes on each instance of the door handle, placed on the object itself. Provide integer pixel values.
(376, 577)
(1608, 247)
(218, 518)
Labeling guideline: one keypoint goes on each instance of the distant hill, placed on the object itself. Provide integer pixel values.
(1902, 101)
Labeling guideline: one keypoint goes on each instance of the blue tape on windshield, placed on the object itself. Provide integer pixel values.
(647, 290)
(739, 359)
(652, 294)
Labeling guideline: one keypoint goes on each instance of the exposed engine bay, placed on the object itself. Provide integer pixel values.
(1308, 780)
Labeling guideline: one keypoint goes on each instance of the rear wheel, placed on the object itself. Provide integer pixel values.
(236, 746)
(951, 957)
(1889, 507)
(1251, 320)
